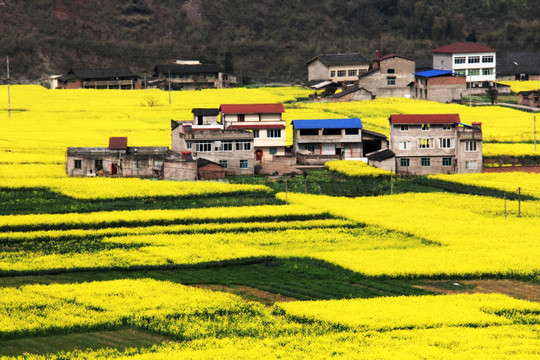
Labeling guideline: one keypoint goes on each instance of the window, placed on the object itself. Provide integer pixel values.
(342, 73)
(224, 164)
(391, 81)
(225, 146)
(332, 73)
(158, 164)
(309, 147)
(460, 60)
(445, 143)
(351, 73)
(331, 132)
(273, 150)
(425, 127)
(487, 71)
(255, 134)
(471, 165)
(243, 146)
(404, 162)
(203, 146)
(135, 164)
(474, 72)
(447, 127)
(446, 161)
(351, 131)
(404, 145)
(98, 165)
(390, 71)
(273, 133)
(241, 117)
(243, 164)
(470, 145)
(425, 162)
(425, 143)
(404, 128)
(77, 164)
(474, 59)
(307, 132)
(188, 145)
(461, 72)
(487, 59)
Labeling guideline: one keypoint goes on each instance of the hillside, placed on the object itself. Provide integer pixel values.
(263, 41)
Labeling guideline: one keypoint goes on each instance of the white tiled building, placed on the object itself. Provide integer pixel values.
(474, 61)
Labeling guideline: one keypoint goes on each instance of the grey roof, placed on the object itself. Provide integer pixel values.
(349, 90)
(381, 155)
(178, 69)
(203, 161)
(369, 72)
(98, 74)
(140, 151)
(518, 62)
(341, 59)
(373, 133)
(205, 112)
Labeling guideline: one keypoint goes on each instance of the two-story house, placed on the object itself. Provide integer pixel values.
(191, 75)
(340, 69)
(264, 121)
(321, 140)
(435, 143)
(475, 61)
(121, 78)
(438, 85)
(390, 76)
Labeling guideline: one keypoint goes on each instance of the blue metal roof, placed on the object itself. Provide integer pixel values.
(354, 123)
(433, 73)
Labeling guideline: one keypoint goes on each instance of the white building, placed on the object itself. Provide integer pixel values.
(475, 61)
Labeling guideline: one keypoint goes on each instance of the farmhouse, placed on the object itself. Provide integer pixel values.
(264, 121)
(432, 144)
(121, 78)
(438, 85)
(191, 75)
(476, 62)
(230, 149)
(322, 140)
(529, 98)
(390, 76)
(342, 69)
(518, 65)
(120, 160)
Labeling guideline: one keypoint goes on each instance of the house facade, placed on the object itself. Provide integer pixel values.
(390, 76)
(191, 75)
(341, 69)
(232, 149)
(265, 123)
(322, 140)
(433, 144)
(119, 160)
(121, 78)
(438, 85)
(529, 98)
(518, 65)
(475, 61)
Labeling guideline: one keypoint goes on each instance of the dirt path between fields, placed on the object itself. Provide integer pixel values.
(249, 293)
(513, 288)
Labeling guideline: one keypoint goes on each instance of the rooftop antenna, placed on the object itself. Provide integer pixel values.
(8, 93)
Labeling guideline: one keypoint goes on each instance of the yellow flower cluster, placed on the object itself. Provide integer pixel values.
(517, 86)
(355, 168)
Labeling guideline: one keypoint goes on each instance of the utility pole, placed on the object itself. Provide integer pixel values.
(519, 202)
(534, 133)
(169, 87)
(8, 89)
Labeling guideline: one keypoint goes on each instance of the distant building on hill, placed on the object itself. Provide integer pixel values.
(190, 75)
(341, 69)
(438, 85)
(390, 76)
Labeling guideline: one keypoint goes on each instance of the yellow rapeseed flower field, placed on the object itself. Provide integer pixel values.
(526, 85)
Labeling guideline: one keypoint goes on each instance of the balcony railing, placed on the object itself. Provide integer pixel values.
(109, 83)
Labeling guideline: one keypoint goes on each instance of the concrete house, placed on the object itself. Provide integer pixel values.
(322, 140)
(433, 144)
(340, 69)
(438, 85)
(121, 160)
(230, 149)
(476, 62)
(264, 121)
(121, 78)
(390, 76)
(190, 75)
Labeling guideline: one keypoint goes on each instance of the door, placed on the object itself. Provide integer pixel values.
(114, 169)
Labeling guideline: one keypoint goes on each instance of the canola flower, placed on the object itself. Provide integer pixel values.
(355, 168)
(509, 149)
(517, 85)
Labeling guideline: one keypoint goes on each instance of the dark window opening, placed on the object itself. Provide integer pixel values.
(331, 132)
(351, 131)
(305, 132)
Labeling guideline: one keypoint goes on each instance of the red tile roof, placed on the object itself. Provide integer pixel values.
(252, 108)
(463, 47)
(118, 143)
(424, 119)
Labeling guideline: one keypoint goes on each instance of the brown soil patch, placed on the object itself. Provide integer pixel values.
(249, 293)
(513, 288)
